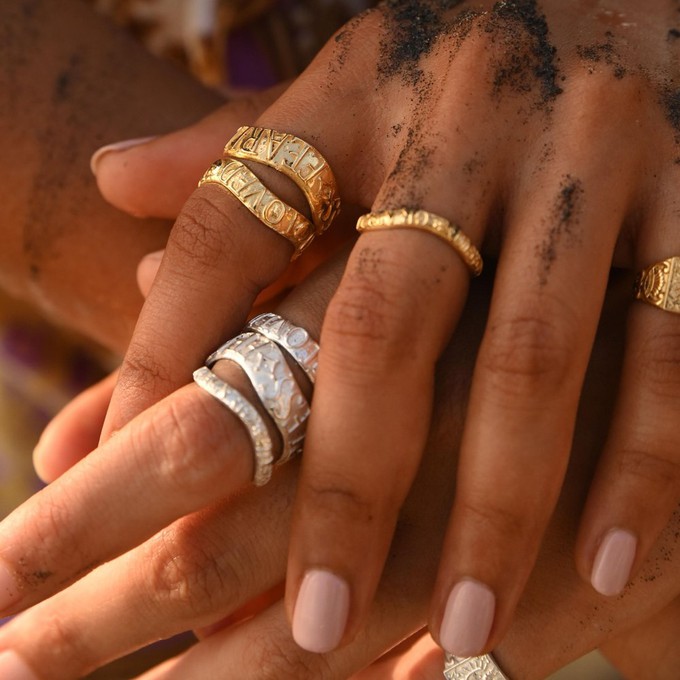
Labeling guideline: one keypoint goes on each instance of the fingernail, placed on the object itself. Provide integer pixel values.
(321, 611)
(13, 667)
(468, 618)
(147, 270)
(613, 562)
(117, 146)
(9, 592)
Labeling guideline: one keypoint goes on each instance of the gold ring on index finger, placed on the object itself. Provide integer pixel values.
(405, 218)
(296, 159)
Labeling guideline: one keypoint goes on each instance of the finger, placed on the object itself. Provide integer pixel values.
(528, 376)
(74, 431)
(185, 453)
(127, 172)
(637, 485)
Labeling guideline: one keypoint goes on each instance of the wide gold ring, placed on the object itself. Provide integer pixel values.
(659, 285)
(296, 159)
(274, 213)
(424, 220)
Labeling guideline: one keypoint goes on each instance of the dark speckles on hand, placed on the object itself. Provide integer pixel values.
(673, 34)
(561, 224)
(670, 100)
(605, 52)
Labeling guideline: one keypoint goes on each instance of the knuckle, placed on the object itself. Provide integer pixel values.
(649, 465)
(525, 355)
(184, 578)
(487, 518)
(189, 436)
(659, 359)
(141, 371)
(66, 644)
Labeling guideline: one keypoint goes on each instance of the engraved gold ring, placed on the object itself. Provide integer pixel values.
(659, 285)
(424, 220)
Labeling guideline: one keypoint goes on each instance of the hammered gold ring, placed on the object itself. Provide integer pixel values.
(296, 159)
(659, 285)
(236, 178)
(425, 221)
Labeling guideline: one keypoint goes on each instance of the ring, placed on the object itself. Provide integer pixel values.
(294, 339)
(296, 159)
(659, 285)
(248, 415)
(425, 221)
(266, 367)
(475, 668)
(236, 178)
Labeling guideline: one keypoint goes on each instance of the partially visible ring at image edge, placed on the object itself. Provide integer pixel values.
(473, 668)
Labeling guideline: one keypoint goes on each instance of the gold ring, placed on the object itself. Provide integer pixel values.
(659, 285)
(425, 221)
(266, 206)
(296, 159)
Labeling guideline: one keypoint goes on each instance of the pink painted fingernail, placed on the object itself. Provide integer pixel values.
(468, 618)
(321, 611)
(117, 146)
(13, 667)
(9, 592)
(614, 562)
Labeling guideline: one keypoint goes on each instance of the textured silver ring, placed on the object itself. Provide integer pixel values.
(294, 339)
(248, 415)
(275, 384)
(474, 668)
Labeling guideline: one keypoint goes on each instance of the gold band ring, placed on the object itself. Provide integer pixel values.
(296, 159)
(659, 285)
(266, 206)
(425, 221)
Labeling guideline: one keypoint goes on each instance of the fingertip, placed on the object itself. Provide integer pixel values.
(147, 270)
(613, 563)
(99, 154)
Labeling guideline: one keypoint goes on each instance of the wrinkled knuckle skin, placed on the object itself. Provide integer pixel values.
(649, 466)
(202, 233)
(68, 654)
(525, 356)
(330, 499)
(188, 439)
(659, 362)
(276, 656)
(185, 580)
(142, 373)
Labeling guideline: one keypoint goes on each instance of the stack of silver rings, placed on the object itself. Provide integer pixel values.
(259, 351)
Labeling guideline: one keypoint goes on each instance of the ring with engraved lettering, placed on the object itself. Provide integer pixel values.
(294, 339)
(263, 449)
(266, 367)
(424, 220)
(474, 668)
(659, 285)
(296, 159)
(236, 178)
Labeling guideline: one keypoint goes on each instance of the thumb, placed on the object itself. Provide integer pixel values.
(154, 176)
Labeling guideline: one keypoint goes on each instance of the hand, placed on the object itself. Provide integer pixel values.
(479, 116)
(204, 566)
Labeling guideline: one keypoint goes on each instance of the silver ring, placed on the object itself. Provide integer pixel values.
(248, 415)
(275, 384)
(294, 339)
(474, 668)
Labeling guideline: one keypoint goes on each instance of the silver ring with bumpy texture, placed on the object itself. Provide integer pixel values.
(248, 415)
(294, 339)
(273, 380)
(474, 668)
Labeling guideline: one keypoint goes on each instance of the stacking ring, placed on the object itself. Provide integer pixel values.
(248, 415)
(659, 285)
(266, 367)
(296, 159)
(405, 218)
(482, 667)
(236, 178)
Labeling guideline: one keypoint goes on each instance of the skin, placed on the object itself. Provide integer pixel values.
(488, 104)
(530, 635)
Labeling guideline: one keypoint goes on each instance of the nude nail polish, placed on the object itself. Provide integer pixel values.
(321, 611)
(613, 562)
(117, 146)
(9, 592)
(13, 667)
(468, 618)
